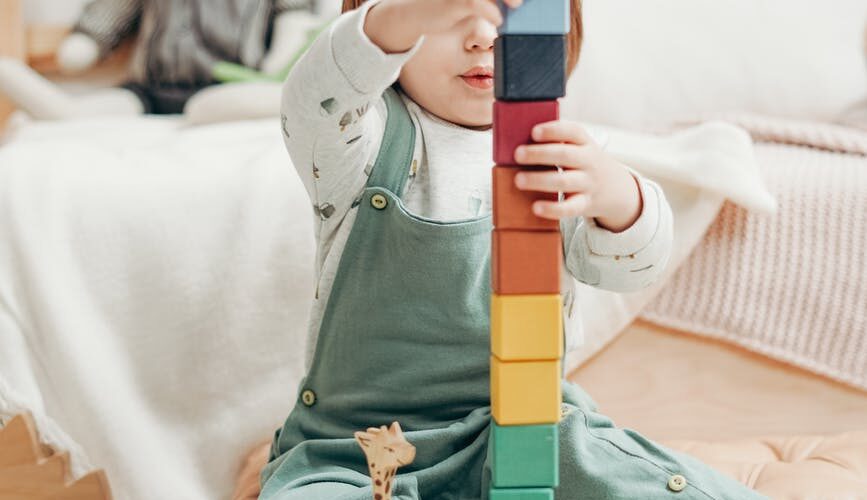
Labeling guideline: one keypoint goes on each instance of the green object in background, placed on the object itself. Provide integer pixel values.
(231, 73)
(521, 494)
(227, 72)
(525, 456)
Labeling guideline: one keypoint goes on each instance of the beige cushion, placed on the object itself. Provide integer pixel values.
(809, 467)
(795, 467)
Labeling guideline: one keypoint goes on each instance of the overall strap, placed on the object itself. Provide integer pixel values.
(398, 142)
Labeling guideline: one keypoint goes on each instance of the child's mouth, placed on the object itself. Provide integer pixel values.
(479, 81)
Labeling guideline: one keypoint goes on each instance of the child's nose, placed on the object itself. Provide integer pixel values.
(481, 35)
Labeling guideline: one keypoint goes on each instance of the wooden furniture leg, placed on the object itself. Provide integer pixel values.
(31, 471)
(11, 45)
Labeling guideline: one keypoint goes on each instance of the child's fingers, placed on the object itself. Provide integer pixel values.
(552, 181)
(556, 154)
(512, 3)
(572, 206)
(561, 131)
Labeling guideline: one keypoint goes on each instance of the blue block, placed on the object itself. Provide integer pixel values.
(521, 494)
(530, 67)
(524, 456)
(536, 17)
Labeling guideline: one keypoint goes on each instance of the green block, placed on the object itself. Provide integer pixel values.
(522, 494)
(525, 456)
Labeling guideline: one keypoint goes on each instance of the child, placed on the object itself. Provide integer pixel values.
(400, 180)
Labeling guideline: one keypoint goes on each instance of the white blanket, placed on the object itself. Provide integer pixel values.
(155, 282)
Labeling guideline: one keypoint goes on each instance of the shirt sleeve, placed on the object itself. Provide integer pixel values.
(333, 115)
(626, 261)
(108, 22)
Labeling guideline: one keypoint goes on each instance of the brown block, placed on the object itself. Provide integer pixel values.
(513, 207)
(525, 262)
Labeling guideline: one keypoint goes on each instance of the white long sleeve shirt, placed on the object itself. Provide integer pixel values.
(333, 118)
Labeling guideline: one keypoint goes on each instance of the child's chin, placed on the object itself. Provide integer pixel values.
(465, 110)
(475, 112)
(480, 120)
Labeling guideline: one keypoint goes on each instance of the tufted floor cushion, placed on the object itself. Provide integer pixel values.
(783, 468)
(794, 467)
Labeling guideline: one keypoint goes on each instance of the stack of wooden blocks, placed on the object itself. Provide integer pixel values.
(526, 306)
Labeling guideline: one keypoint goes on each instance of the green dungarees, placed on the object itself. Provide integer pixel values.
(405, 336)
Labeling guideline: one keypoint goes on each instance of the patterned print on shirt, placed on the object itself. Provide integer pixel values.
(474, 202)
(329, 106)
(324, 211)
(345, 120)
(362, 110)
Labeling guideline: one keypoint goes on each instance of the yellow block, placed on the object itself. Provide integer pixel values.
(527, 327)
(525, 392)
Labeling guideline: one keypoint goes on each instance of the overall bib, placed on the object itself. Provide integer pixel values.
(405, 336)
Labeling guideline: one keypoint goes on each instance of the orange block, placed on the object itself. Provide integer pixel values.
(525, 262)
(513, 207)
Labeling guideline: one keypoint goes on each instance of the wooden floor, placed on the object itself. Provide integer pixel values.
(671, 385)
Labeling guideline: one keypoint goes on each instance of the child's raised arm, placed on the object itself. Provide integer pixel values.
(396, 24)
(333, 115)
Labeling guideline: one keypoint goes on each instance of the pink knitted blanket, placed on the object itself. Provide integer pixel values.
(793, 285)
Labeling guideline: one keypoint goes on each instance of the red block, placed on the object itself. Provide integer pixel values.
(514, 122)
(513, 207)
(525, 262)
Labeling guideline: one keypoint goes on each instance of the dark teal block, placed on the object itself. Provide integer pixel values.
(522, 494)
(536, 17)
(524, 456)
(529, 67)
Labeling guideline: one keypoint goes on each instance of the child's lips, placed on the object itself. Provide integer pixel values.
(483, 82)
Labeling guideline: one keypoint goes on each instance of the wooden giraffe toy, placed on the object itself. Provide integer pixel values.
(32, 471)
(386, 449)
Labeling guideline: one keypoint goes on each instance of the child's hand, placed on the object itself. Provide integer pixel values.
(603, 188)
(395, 25)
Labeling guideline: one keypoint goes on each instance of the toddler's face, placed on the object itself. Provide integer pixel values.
(452, 76)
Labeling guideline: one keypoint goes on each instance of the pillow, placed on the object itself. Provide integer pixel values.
(856, 116)
(651, 64)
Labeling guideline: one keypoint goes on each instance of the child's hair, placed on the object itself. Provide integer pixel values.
(573, 39)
